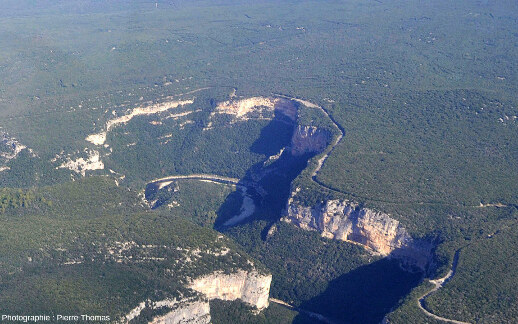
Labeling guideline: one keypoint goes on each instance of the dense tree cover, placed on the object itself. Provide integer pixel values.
(189, 150)
(336, 279)
(407, 83)
(27, 171)
(88, 289)
(432, 146)
(223, 312)
(185, 201)
(19, 198)
(98, 236)
(484, 288)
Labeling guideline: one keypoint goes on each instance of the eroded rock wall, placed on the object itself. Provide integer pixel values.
(195, 312)
(191, 310)
(347, 221)
(309, 139)
(250, 287)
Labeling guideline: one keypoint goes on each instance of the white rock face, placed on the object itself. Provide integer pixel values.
(134, 312)
(241, 108)
(100, 138)
(346, 221)
(187, 310)
(250, 287)
(254, 107)
(97, 139)
(81, 165)
(9, 149)
(193, 312)
(308, 139)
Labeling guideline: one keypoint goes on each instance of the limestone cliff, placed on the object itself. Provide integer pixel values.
(195, 312)
(250, 287)
(254, 108)
(191, 310)
(347, 221)
(309, 139)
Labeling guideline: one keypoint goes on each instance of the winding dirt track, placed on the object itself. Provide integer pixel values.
(439, 283)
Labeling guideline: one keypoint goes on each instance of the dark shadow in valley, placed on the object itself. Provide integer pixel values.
(268, 182)
(364, 295)
(264, 190)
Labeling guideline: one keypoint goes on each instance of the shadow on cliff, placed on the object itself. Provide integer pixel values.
(267, 183)
(364, 295)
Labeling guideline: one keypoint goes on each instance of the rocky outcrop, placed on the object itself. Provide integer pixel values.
(347, 221)
(195, 312)
(10, 147)
(241, 108)
(250, 287)
(100, 138)
(81, 165)
(309, 139)
(188, 310)
(265, 108)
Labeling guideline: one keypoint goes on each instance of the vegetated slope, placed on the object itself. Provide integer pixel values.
(189, 146)
(321, 275)
(92, 248)
(484, 288)
(64, 75)
(184, 198)
(452, 147)
(223, 312)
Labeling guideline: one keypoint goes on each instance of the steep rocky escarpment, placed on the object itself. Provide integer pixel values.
(246, 283)
(347, 221)
(260, 108)
(187, 310)
(250, 287)
(257, 107)
(193, 312)
(309, 139)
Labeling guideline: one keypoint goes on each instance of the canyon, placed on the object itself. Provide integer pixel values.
(336, 219)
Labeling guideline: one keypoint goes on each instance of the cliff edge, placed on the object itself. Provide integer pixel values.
(347, 221)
